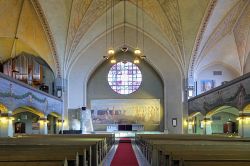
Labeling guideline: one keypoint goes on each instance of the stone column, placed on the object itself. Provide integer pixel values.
(207, 127)
(244, 125)
(59, 126)
(43, 125)
(6, 125)
(190, 125)
(185, 107)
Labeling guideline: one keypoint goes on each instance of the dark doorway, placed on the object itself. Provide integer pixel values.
(229, 127)
(19, 127)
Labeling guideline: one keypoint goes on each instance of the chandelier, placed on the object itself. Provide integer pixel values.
(110, 49)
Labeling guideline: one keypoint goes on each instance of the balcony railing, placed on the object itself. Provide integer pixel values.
(235, 93)
(15, 94)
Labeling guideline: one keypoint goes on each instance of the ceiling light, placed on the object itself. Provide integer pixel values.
(137, 51)
(111, 51)
(113, 60)
(136, 61)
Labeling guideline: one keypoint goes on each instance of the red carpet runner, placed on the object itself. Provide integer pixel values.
(124, 155)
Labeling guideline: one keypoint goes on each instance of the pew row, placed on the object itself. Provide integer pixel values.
(53, 150)
(179, 150)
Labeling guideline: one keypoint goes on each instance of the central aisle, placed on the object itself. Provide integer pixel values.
(124, 155)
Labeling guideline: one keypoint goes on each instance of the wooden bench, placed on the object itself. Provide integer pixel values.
(34, 150)
(23, 153)
(181, 149)
(104, 145)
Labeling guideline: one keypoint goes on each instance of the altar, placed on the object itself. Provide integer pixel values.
(124, 127)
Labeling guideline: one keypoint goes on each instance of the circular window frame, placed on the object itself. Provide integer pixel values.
(133, 78)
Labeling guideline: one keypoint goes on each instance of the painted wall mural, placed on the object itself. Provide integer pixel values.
(235, 93)
(126, 111)
(15, 94)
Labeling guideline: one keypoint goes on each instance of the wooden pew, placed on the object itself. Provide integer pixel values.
(178, 150)
(33, 163)
(92, 143)
(42, 150)
(103, 147)
(42, 153)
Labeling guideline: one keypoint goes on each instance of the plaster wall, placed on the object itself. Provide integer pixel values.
(217, 125)
(157, 57)
(28, 121)
(222, 52)
(247, 65)
(207, 74)
(150, 88)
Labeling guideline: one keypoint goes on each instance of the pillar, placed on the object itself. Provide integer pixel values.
(43, 122)
(244, 125)
(6, 125)
(185, 106)
(59, 125)
(190, 126)
(207, 127)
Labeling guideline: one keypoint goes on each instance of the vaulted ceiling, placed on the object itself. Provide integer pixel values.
(195, 33)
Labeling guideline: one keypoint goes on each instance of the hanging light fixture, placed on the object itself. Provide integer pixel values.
(110, 51)
(143, 55)
(143, 36)
(137, 51)
(124, 47)
(14, 46)
(106, 31)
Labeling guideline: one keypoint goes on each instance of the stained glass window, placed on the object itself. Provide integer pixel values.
(124, 77)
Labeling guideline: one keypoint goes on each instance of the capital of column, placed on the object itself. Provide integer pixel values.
(4, 117)
(43, 119)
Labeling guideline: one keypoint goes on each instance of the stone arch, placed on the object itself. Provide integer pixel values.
(91, 58)
(48, 32)
(224, 119)
(97, 86)
(55, 114)
(27, 120)
(230, 68)
(3, 108)
(246, 108)
(28, 109)
(223, 108)
(195, 114)
(194, 123)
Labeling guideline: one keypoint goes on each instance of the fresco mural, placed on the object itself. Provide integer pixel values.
(235, 93)
(14, 94)
(125, 111)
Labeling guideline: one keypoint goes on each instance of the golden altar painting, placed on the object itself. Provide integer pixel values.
(126, 111)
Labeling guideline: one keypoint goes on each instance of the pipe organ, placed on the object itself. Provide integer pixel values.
(24, 68)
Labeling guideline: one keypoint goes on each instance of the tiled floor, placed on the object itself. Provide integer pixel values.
(140, 158)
